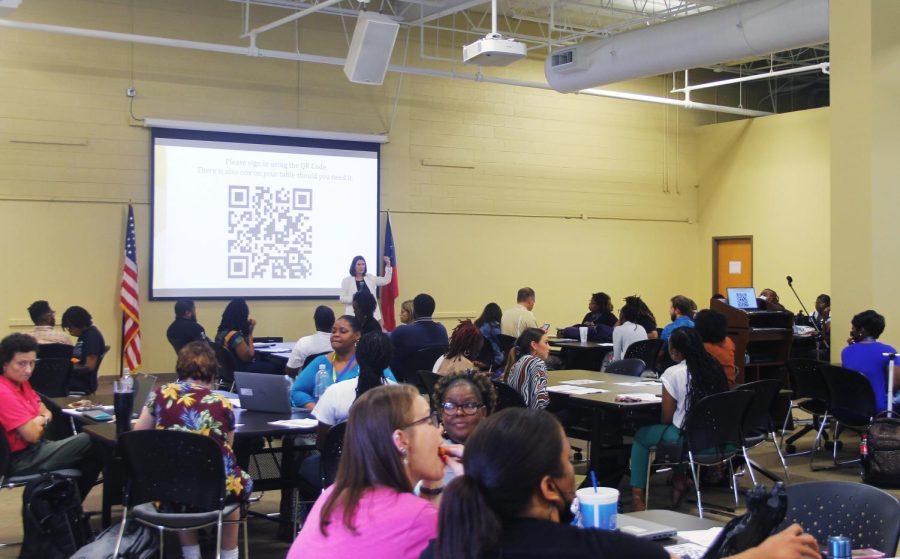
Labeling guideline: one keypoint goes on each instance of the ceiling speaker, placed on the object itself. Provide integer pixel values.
(370, 49)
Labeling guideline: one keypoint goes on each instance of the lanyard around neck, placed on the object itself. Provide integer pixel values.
(350, 364)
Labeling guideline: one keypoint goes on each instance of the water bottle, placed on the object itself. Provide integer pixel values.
(321, 381)
(127, 381)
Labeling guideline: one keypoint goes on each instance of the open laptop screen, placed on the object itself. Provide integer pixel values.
(742, 297)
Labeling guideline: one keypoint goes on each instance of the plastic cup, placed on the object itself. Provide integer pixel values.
(598, 509)
(582, 333)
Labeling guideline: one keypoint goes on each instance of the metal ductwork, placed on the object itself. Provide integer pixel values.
(750, 29)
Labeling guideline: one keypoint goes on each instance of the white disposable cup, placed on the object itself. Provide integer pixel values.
(582, 333)
(598, 508)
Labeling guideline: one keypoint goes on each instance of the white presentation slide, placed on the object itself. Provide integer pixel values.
(250, 220)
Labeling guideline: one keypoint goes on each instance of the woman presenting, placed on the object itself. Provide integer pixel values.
(359, 280)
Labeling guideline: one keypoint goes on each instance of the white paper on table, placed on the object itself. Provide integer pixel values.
(689, 550)
(701, 537)
(642, 396)
(569, 389)
(302, 423)
(76, 413)
(734, 267)
(235, 402)
(579, 381)
(639, 383)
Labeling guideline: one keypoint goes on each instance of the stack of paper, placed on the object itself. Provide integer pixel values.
(581, 381)
(639, 383)
(573, 390)
(304, 423)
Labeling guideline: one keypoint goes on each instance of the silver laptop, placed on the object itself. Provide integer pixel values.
(644, 528)
(264, 392)
(145, 385)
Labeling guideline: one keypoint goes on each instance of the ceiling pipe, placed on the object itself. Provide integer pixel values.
(823, 67)
(335, 61)
(749, 29)
(289, 18)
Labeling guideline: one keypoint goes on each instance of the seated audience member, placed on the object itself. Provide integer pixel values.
(24, 417)
(364, 306)
(185, 328)
(340, 364)
(373, 351)
(422, 333)
(713, 329)
(406, 312)
(645, 316)
(320, 342)
(190, 405)
(514, 501)
(88, 351)
(465, 345)
(235, 333)
(526, 369)
(681, 314)
(44, 319)
(822, 316)
(628, 331)
(391, 443)
(599, 320)
(864, 354)
(519, 318)
(696, 376)
(773, 303)
(489, 326)
(720, 297)
(464, 399)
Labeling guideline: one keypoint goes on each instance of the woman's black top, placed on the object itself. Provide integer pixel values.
(361, 286)
(600, 317)
(528, 538)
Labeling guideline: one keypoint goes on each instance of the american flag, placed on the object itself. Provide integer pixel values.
(131, 317)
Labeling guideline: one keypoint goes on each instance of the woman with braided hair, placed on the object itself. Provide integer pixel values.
(465, 345)
(695, 376)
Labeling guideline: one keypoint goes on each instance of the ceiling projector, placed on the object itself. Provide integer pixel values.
(494, 50)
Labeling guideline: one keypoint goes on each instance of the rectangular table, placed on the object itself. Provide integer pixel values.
(577, 355)
(276, 352)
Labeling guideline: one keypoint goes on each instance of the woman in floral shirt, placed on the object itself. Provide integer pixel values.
(190, 405)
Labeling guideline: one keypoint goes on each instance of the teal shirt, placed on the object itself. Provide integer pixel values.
(304, 388)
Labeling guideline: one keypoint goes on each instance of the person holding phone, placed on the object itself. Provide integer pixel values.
(360, 280)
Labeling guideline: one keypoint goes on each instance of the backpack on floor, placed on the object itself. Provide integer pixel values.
(54, 523)
(880, 451)
(138, 542)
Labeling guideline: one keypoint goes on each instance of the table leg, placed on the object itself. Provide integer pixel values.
(608, 452)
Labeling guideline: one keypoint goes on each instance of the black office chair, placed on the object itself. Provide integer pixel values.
(867, 515)
(507, 396)
(758, 426)
(82, 383)
(506, 342)
(421, 360)
(61, 426)
(810, 394)
(267, 339)
(630, 367)
(227, 366)
(51, 372)
(711, 435)
(186, 469)
(331, 452)
(309, 358)
(645, 350)
(428, 380)
(851, 404)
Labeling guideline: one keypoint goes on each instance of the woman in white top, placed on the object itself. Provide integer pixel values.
(696, 376)
(627, 332)
(360, 280)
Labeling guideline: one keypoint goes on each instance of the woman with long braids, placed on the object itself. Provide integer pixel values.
(465, 345)
(695, 376)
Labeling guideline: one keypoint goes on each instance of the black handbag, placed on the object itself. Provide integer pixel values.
(765, 511)
(880, 451)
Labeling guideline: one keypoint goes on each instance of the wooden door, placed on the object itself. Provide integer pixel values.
(732, 263)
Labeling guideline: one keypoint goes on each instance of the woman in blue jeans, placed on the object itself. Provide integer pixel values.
(696, 375)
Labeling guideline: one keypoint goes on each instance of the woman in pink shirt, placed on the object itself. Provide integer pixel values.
(391, 443)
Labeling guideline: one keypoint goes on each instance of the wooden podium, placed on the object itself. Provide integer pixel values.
(764, 335)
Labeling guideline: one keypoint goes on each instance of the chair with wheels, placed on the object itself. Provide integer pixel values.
(630, 367)
(851, 404)
(507, 396)
(51, 372)
(711, 435)
(758, 426)
(227, 366)
(186, 469)
(810, 395)
(867, 515)
(647, 351)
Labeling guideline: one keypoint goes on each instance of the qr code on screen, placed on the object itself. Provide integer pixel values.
(743, 301)
(269, 232)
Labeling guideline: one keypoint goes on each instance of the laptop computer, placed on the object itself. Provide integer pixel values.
(742, 297)
(144, 386)
(644, 529)
(264, 392)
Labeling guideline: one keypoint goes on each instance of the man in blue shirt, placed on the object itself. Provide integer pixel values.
(681, 312)
(865, 354)
(422, 333)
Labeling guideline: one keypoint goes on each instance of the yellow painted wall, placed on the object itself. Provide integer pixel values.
(71, 157)
(769, 178)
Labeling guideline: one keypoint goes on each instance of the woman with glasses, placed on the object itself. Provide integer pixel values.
(392, 441)
(464, 399)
